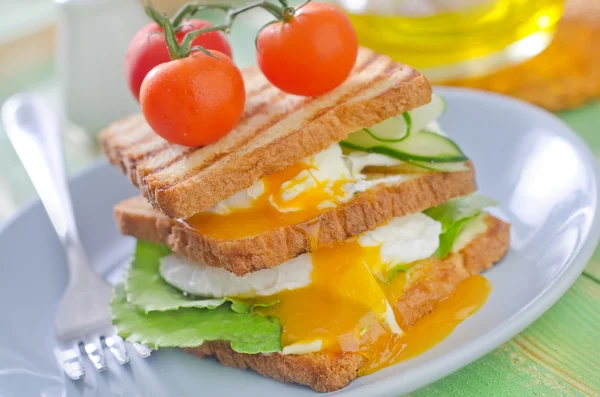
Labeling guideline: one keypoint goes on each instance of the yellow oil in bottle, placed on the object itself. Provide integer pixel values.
(449, 39)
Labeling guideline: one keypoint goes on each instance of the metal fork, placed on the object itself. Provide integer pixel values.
(83, 316)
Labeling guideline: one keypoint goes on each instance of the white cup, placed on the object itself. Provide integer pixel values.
(92, 40)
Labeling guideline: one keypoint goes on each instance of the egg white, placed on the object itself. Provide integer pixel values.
(404, 239)
(207, 281)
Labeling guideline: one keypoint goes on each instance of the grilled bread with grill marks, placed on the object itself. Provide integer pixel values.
(328, 372)
(366, 211)
(276, 131)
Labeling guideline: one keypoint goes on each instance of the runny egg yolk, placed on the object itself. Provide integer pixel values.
(342, 294)
(270, 210)
(384, 349)
(344, 307)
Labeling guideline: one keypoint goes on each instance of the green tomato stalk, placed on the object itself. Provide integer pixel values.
(282, 13)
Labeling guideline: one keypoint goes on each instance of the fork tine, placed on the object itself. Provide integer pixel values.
(93, 348)
(143, 350)
(70, 358)
(116, 346)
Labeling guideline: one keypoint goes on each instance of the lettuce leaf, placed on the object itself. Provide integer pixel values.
(459, 208)
(447, 239)
(148, 291)
(453, 215)
(146, 309)
(190, 327)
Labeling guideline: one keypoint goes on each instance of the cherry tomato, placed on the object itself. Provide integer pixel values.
(148, 49)
(310, 54)
(193, 101)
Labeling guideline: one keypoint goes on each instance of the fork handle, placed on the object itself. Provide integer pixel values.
(33, 130)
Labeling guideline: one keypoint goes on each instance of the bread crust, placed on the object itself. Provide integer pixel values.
(322, 372)
(365, 211)
(276, 131)
(325, 372)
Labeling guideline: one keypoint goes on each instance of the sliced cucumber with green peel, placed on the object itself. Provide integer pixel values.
(396, 129)
(424, 115)
(423, 146)
(404, 138)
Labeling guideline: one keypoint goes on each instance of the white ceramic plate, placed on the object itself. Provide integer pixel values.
(539, 170)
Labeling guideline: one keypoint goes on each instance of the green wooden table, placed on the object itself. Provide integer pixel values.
(559, 355)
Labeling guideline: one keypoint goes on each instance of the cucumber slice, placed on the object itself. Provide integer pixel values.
(423, 146)
(404, 138)
(423, 115)
(394, 129)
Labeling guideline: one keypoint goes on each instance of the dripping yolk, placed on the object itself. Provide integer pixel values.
(284, 202)
(348, 309)
(342, 298)
(384, 349)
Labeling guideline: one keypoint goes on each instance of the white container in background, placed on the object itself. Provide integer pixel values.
(92, 38)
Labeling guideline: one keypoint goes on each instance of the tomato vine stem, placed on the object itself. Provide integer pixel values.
(288, 13)
(282, 12)
(189, 9)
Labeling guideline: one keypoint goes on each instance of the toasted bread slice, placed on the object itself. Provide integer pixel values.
(365, 211)
(276, 131)
(327, 372)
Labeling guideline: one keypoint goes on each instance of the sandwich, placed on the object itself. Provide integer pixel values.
(322, 239)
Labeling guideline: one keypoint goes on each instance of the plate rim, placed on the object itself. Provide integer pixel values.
(457, 358)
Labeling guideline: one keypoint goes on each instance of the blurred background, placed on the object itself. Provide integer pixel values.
(71, 51)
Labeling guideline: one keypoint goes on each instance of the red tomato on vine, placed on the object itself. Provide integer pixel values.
(195, 100)
(148, 49)
(193, 94)
(310, 52)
